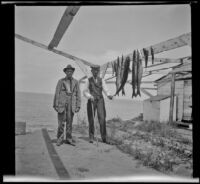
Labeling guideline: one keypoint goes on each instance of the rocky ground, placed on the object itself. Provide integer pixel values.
(165, 148)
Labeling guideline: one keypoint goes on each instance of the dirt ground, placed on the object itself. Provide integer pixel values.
(83, 161)
(136, 152)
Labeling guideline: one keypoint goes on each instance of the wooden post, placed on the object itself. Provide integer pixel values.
(172, 99)
(104, 70)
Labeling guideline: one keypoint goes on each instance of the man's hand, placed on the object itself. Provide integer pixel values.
(77, 109)
(92, 98)
(110, 97)
(56, 109)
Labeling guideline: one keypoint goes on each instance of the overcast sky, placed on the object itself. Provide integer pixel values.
(97, 34)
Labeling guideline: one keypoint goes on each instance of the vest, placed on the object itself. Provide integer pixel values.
(96, 88)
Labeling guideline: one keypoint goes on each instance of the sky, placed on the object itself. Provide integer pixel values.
(97, 34)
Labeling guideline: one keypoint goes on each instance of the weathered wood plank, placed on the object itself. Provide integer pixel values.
(182, 69)
(80, 62)
(149, 88)
(172, 99)
(182, 40)
(64, 23)
(104, 71)
(146, 92)
(159, 61)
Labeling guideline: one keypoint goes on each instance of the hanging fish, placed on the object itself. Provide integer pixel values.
(152, 55)
(121, 74)
(146, 54)
(118, 81)
(133, 82)
(125, 76)
(139, 72)
(113, 69)
(136, 70)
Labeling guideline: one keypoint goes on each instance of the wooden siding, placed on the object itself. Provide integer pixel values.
(151, 110)
(164, 110)
(187, 100)
(165, 89)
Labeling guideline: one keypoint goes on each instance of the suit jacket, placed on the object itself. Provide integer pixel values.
(61, 98)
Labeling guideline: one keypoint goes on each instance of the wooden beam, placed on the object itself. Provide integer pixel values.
(182, 69)
(149, 88)
(154, 72)
(162, 68)
(80, 62)
(173, 43)
(64, 23)
(160, 61)
(171, 110)
(166, 61)
(104, 71)
(170, 44)
(142, 82)
(146, 92)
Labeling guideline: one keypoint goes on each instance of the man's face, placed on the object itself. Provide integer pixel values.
(95, 72)
(69, 73)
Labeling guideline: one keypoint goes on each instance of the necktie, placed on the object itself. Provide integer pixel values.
(70, 85)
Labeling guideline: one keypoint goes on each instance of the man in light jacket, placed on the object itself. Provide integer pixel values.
(67, 101)
(93, 92)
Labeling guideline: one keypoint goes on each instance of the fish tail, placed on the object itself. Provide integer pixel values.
(123, 92)
(139, 93)
(133, 94)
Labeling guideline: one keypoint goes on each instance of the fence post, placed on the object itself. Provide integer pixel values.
(172, 99)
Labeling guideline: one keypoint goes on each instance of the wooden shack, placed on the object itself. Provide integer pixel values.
(156, 108)
(183, 90)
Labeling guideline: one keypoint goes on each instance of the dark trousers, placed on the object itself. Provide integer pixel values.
(99, 107)
(66, 116)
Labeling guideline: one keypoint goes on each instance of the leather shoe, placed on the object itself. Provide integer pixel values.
(91, 140)
(70, 142)
(58, 143)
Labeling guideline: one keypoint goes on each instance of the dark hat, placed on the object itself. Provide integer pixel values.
(69, 67)
(95, 67)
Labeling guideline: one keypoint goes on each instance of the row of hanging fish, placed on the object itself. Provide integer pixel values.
(118, 71)
(121, 70)
(123, 75)
(146, 55)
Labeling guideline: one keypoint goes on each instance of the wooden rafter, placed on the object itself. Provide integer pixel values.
(180, 41)
(146, 92)
(104, 71)
(80, 62)
(64, 23)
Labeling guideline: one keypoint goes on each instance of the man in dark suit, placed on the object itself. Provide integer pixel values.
(67, 101)
(93, 92)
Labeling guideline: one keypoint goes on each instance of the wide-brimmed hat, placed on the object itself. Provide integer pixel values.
(69, 67)
(95, 67)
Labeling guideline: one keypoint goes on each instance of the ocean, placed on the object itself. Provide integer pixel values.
(37, 110)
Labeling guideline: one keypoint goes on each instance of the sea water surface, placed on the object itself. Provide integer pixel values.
(37, 110)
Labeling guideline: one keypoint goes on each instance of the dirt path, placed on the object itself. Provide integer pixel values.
(86, 160)
(32, 157)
